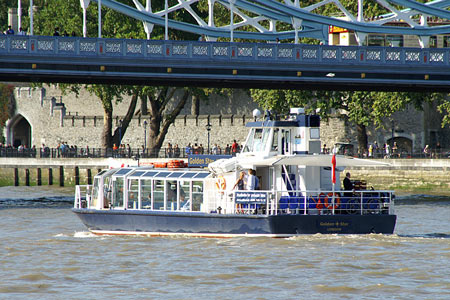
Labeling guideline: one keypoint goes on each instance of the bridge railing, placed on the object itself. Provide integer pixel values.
(266, 52)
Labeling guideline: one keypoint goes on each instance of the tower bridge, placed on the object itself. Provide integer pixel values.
(247, 65)
(244, 65)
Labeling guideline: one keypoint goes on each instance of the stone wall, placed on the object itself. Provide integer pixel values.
(82, 123)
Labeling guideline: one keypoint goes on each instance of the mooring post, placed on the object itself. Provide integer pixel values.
(16, 177)
(61, 176)
(27, 177)
(77, 175)
(50, 176)
(89, 176)
(39, 176)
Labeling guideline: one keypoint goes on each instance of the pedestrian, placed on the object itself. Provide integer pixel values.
(10, 30)
(22, 32)
(56, 31)
(234, 148)
(176, 151)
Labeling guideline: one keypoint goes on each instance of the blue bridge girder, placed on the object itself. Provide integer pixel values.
(242, 65)
(312, 25)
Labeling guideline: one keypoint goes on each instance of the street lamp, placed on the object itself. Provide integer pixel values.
(208, 129)
(145, 136)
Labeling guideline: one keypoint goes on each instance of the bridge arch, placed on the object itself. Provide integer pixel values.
(19, 132)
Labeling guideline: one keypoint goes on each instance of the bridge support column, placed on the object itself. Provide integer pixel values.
(61, 176)
(16, 177)
(50, 176)
(27, 177)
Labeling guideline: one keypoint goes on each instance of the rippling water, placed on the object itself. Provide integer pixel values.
(46, 253)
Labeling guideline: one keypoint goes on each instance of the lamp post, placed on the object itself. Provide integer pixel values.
(208, 129)
(145, 136)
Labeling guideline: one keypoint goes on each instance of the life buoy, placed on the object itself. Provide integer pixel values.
(221, 183)
(175, 163)
(319, 204)
(337, 200)
(160, 165)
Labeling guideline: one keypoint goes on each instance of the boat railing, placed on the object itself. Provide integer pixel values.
(363, 202)
(82, 196)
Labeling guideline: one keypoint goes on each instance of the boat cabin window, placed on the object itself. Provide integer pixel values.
(158, 194)
(275, 140)
(146, 193)
(118, 192)
(133, 192)
(185, 195)
(95, 192)
(197, 195)
(257, 140)
(171, 192)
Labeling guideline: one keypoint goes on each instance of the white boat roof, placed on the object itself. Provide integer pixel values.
(310, 160)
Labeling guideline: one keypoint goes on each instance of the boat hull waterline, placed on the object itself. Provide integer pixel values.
(151, 223)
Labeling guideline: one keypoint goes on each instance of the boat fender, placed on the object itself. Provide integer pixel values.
(221, 183)
(337, 200)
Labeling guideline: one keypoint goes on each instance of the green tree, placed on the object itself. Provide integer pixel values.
(362, 108)
(6, 93)
(154, 100)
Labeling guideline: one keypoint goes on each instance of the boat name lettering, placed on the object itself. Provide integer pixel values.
(337, 223)
(203, 160)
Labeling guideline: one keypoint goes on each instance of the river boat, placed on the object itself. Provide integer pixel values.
(296, 192)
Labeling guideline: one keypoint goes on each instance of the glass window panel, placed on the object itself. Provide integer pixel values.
(95, 192)
(133, 192)
(150, 174)
(171, 190)
(118, 192)
(185, 203)
(163, 174)
(188, 175)
(197, 195)
(123, 172)
(146, 193)
(201, 175)
(314, 133)
(158, 194)
(275, 140)
(175, 174)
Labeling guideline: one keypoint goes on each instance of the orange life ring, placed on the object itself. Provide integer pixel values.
(337, 201)
(175, 163)
(221, 183)
(160, 165)
(319, 204)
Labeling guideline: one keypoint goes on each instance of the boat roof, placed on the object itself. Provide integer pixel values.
(295, 121)
(310, 160)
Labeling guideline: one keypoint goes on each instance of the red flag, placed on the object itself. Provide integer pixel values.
(333, 169)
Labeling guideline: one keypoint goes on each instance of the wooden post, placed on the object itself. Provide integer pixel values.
(16, 176)
(50, 176)
(61, 176)
(39, 176)
(77, 175)
(27, 177)
(89, 176)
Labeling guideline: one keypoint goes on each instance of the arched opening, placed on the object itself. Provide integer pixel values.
(19, 132)
(404, 144)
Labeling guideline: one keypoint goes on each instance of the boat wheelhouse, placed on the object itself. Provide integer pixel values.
(295, 194)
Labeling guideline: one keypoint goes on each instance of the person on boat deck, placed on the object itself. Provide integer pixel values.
(348, 185)
(252, 180)
(240, 183)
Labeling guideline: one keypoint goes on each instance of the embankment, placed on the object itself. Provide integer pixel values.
(423, 176)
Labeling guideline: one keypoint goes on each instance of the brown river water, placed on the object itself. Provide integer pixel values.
(47, 253)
